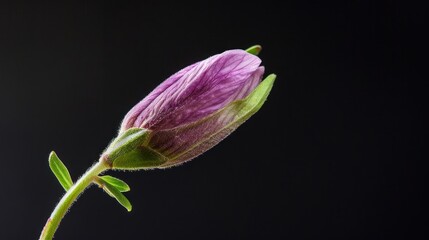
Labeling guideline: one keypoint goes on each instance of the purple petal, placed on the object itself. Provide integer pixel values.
(186, 142)
(130, 118)
(197, 91)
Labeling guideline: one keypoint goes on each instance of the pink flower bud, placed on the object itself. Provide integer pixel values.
(194, 109)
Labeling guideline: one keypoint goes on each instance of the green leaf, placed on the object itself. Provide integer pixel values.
(126, 142)
(60, 171)
(115, 193)
(116, 182)
(254, 49)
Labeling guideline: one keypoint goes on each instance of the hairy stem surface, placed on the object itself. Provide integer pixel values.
(68, 199)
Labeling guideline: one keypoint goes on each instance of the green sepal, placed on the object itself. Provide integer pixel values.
(141, 157)
(254, 49)
(125, 143)
(60, 171)
(116, 182)
(252, 103)
(115, 193)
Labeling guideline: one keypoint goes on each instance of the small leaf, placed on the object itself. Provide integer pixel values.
(116, 182)
(115, 193)
(60, 171)
(254, 49)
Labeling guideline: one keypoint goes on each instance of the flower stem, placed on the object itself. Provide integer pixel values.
(71, 196)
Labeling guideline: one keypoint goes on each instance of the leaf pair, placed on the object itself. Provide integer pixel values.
(115, 187)
(111, 185)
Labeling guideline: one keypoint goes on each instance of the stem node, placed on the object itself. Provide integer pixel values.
(71, 195)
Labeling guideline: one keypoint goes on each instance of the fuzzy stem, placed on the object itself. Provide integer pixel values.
(71, 196)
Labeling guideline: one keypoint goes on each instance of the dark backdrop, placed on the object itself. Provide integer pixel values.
(334, 153)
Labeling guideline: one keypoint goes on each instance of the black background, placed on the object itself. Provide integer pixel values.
(335, 152)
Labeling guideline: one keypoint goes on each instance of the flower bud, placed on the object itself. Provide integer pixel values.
(196, 108)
